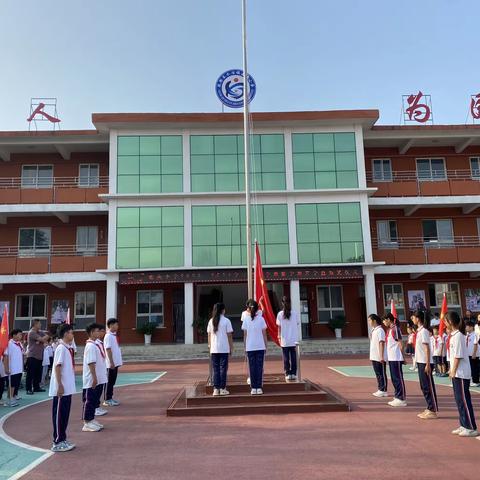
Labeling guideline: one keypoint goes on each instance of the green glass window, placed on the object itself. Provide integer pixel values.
(329, 233)
(149, 237)
(218, 234)
(149, 164)
(217, 163)
(324, 161)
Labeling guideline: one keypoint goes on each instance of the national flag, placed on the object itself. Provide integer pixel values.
(262, 298)
(443, 312)
(4, 331)
(393, 311)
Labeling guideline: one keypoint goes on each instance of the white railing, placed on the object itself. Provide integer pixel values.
(427, 242)
(414, 176)
(54, 182)
(52, 251)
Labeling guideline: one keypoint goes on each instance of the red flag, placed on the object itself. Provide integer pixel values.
(441, 328)
(393, 311)
(4, 331)
(262, 298)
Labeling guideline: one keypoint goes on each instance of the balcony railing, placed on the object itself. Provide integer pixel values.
(420, 250)
(56, 258)
(59, 182)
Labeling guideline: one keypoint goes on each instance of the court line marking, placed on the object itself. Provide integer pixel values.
(340, 372)
(46, 453)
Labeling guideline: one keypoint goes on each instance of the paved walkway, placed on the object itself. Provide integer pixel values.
(371, 441)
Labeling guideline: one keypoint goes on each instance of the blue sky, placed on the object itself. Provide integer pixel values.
(165, 55)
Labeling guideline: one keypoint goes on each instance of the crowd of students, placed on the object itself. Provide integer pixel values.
(101, 359)
(454, 354)
(220, 342)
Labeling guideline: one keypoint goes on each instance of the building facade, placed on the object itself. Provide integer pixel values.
(143, 218)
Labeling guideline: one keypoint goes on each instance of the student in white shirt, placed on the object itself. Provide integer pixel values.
(13, 365)
(460, 374)
(114, 360)
(436, 344)
(393, 340)
(288, 324)
(472, 350)
(378, 354)
(62, 387)
(220, 344)
(94, 376)
(255, 337)
(99, 411)
(47, 354)
(424, 361)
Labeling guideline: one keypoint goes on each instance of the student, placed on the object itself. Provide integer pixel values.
(94, 376)
(378, 354)
(412, 325)
(477, 326)
(445, 359)
(410, 348)
(47, 354)
(288, 324)
(13, 364)
(114, 360)
(436, 344)
(472, 350)
(393, 340)
(62, 387)
(460, 374)
(220, 344)
(424, 361)
(102, 363)
(255, 337)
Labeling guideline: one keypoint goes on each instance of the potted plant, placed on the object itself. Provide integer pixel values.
(200, 324)
(147, 329)
(337, 324)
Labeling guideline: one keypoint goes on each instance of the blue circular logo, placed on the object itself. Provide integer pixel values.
(230, 88)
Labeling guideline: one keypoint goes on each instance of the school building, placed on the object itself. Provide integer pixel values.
(143, 218)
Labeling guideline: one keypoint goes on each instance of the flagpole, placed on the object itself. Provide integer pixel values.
(246, 146)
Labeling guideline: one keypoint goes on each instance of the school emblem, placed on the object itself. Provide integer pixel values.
(230, 88)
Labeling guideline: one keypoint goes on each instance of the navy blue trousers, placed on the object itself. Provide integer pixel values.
(60, 415)
(255, 363)
(219, 368)
(461, 390)
(289, 360)
(396, 374)
(428, 387)
(112, 378)
(380, 370)
(91, 400)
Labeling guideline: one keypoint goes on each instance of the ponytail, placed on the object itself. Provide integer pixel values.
(253, 306)
(287, 307)
(217, 311)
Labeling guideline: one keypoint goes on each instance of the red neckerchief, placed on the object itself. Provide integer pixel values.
(70, 351)
(468, 338)
(100, 348)
(19, 345)
(436, 342)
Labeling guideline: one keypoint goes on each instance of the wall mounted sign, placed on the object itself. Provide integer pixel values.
(230, 88)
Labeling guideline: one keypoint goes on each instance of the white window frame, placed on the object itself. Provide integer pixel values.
(87, 250)
(160, 325)
(383, 179)
(331, 309)
(37, 166)
(441, 243)
(430, 178)
(451, 306)
(90, 316)
(475, 173)
(33, 252)
(387, 306)
(388, 243)
(43, 319)
(89, 183)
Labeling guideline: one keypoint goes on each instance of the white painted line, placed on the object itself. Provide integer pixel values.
(46, 453)
(338, 371)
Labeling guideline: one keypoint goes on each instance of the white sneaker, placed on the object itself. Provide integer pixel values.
(98, 424)
(457, 431)
(100, 411)
(379, 394)
(293, 377)
(224, 391)
(248, 381)
(259, 391)
(468, 433)
(90, 427)
(287, 378)
(396, 402)
(472, 385)
(216, 392)
(434, 374)
(412, 369)
(253, 391)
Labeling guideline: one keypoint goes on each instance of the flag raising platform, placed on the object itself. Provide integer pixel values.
(278, 397)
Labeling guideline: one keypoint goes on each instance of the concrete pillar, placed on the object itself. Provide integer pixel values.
(189, 307)
(295, 300)
(112, 295)
(370, 294)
